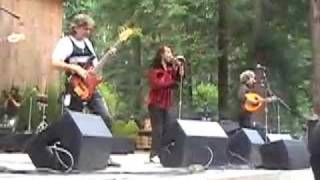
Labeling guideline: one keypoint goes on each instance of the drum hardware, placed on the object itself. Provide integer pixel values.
(42, 101)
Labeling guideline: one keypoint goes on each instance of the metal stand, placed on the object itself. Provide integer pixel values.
(30, 115)
(180, 97)
(268, 92)
(43, 104)
(280, 102)
(266, 110)
(278, 118)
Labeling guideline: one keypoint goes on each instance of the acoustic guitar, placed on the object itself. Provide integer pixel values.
(254, 101)
(85, 88)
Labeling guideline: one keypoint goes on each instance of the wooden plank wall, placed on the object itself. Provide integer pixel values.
(27, 62)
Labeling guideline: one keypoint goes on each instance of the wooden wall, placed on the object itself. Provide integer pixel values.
(27, 62)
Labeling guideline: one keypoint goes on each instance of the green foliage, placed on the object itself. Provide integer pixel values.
(29, 111)
(54, 102)
(125, 129)
(114, 103)
(205, 94)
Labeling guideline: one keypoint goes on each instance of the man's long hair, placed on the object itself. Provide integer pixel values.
(80, 20)
(158, 58)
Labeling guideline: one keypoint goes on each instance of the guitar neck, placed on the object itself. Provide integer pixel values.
(106, 58)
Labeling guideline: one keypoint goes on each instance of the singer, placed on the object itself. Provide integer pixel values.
(163, 76)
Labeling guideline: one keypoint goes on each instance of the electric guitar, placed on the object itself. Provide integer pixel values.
(255, 101)
(85, 88)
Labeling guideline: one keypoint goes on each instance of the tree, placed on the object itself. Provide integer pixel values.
(222, 59)
(315, 31)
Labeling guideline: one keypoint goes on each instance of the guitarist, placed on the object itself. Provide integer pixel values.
(247, 84)
(71, 55)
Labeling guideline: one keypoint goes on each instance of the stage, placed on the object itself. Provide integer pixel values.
(136, 166)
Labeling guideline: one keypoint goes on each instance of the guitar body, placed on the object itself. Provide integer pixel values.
(253, 102)
(84, 88)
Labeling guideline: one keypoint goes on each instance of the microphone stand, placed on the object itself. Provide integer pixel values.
(176, 59)
(265, 84)
(268, 92)
(180, 97)
(280, 101)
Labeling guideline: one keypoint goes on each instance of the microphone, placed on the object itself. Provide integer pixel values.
(259, 66)
(180, 58)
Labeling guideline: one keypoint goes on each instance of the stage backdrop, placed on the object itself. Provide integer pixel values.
(27, 62)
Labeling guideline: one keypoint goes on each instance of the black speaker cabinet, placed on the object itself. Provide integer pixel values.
(244, 147)
(313, 137)
(195, 142)
(313, 134)
(285, 154)
(85, 136)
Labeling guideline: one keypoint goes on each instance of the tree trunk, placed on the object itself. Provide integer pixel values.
(259, 56)
(136, 76)
(141, 97)
(223, 60)
(315, 31)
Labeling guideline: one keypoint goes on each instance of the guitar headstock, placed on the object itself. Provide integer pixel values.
(126, 32)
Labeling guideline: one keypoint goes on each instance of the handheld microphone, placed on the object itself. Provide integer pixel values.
(180, 58)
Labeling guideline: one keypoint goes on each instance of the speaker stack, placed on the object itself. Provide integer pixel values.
(280, 151)
(285, 154)
(84, 136)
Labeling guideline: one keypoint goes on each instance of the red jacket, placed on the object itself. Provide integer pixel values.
(161, 83)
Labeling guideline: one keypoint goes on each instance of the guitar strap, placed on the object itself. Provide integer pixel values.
(79, 52)
(76, 52)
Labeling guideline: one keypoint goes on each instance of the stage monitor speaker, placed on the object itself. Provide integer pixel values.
(285, 154)
(313, 137)
(195, 142)
(85, 136)
(313, 140)
(229, 126)
(278, 137)
(244, 147)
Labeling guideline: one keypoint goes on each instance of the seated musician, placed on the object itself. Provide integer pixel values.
(12, 104)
